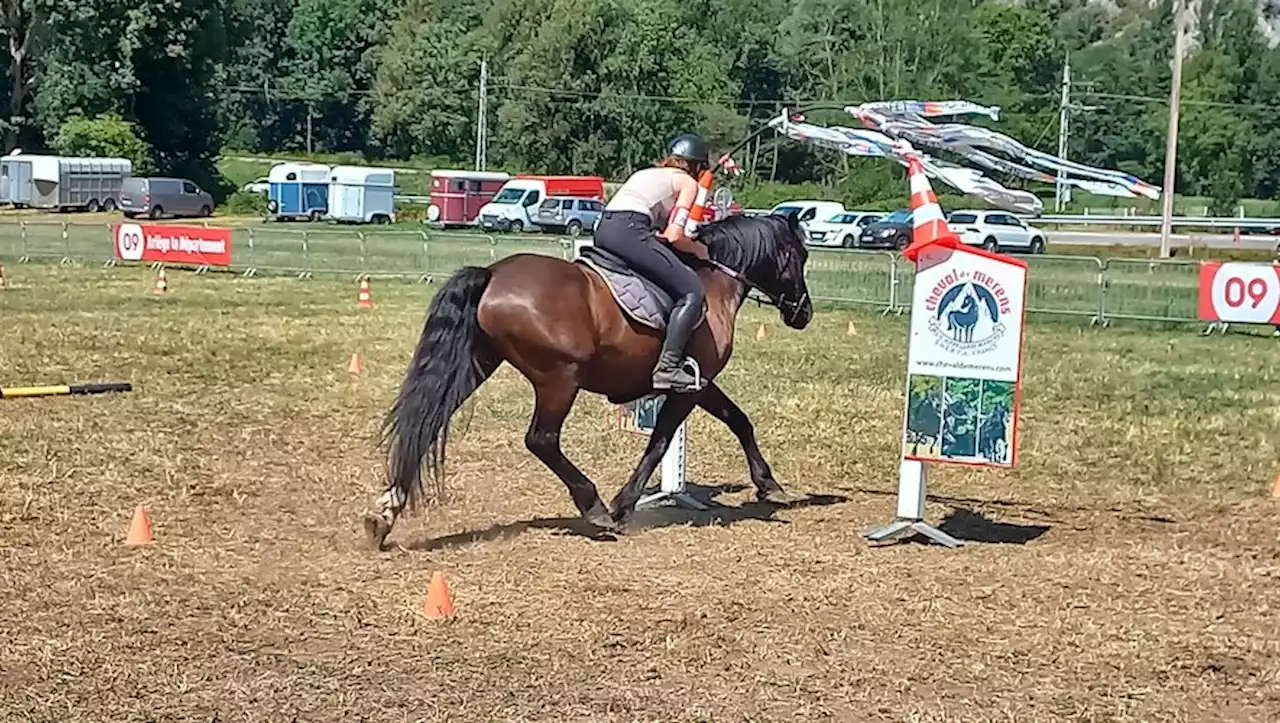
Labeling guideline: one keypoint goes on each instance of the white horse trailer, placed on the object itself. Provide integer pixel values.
(358, 194)
(58, 182)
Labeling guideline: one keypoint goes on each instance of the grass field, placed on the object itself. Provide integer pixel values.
(1127, 570)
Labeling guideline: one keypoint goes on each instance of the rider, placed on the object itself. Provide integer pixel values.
(644, 223)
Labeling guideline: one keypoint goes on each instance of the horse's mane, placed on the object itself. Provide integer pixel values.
(745, 242)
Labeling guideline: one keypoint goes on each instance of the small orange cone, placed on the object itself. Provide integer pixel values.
(1, 277)
(162, 283)
(760, 333)
(439, 603)
(853, 330)
(139, 529)
(1275, 491)
(365, 298)
(353, 366)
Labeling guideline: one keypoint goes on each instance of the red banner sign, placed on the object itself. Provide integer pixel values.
(193, 245)
(1240, 293)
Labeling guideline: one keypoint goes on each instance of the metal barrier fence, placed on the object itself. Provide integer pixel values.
(1098, 289)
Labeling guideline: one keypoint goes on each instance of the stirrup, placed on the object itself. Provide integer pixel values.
(690, 366)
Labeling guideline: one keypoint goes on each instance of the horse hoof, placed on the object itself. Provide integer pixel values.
(599, 516)
(776, 496)
(376, 530)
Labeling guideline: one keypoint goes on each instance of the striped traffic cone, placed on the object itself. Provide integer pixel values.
(928, 225)
(364, 299)
(162, 283)
(2, 278)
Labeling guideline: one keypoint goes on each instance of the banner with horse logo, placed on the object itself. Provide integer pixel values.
(964, 362)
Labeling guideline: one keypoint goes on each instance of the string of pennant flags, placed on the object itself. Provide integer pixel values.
(894, 130)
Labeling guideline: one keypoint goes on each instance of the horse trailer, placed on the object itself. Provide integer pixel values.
(358, 194)
(58, 182)
(298, 190)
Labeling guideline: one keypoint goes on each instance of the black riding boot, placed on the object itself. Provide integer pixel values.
(670, 373)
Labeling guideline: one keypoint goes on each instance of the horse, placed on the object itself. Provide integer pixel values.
(961, 322)
(558, 324)
(994, 435)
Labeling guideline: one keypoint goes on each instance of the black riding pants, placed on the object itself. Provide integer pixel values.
(631, 236)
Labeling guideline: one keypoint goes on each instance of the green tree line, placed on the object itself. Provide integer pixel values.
(598, 86)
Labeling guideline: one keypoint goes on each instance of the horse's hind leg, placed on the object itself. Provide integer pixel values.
(719, 405)
(552, 404)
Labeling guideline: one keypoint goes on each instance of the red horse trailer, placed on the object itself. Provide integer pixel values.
(457, 196)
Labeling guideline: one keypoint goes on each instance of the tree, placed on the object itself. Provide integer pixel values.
(424, 89)
(104, 136)
(23, 22)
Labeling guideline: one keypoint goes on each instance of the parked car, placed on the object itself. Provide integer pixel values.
(156, 197)
(257, 185)
(840, 230)
(808, 211)
(891, 232)
(568, 215)
(996, 230)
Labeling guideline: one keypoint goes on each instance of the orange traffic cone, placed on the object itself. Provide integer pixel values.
(162, 283)
(1, 277)
(139, 529)
(439, 603)
(760, 333)
(1275, 491)
(365, 299)
(354, 366)
(853, 330)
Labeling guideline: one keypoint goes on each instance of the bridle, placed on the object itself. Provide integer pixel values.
(789, 308)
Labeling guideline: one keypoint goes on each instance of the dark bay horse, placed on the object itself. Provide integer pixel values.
(559, 325)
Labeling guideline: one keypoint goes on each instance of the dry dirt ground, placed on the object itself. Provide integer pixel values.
(1127, 570)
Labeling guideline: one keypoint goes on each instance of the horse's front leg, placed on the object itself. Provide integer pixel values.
(719, 405)
(675, 409)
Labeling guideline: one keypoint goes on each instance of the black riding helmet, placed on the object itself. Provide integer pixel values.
(690, 147)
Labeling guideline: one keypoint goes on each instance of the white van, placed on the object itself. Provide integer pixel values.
(808, 211)
(515, 208)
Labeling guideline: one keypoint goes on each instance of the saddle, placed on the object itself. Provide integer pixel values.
(640, 299)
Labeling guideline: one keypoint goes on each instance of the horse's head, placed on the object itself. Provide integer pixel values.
(769, 253)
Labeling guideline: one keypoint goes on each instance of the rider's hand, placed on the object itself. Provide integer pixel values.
(699, 250)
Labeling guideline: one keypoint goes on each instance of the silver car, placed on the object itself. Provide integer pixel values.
(567, 215)
(157, 197)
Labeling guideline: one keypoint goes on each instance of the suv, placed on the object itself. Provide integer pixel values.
(156, 197)
(996, 230)
(568, 215)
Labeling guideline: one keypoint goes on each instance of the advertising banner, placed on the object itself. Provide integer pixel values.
(964, 359)
(188, 245)
(1240, 293)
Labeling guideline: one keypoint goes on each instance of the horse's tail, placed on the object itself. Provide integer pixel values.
(445, 370)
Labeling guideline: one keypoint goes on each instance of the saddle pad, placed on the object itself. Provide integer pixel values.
(639, 298)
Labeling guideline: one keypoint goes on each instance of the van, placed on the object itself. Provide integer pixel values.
(806, 211)
(515, 207)
(156, 197)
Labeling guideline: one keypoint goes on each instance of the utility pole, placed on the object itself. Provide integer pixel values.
(1062, 195)
(482, 119)
(1171, 144)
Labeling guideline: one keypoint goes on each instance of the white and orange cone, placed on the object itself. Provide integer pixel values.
(162, 283)
(928, 225)
(2, 277)
(364, 299)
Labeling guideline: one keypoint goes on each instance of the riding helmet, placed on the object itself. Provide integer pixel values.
(691, 147)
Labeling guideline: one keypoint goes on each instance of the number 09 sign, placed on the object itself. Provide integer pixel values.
(1238, 293)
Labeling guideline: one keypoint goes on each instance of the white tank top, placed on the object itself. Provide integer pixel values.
(651, 192)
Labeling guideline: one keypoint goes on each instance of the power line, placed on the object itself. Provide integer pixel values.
(500, 84)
